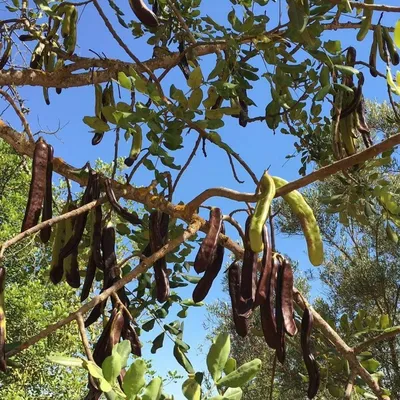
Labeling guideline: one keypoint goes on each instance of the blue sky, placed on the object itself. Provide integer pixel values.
(259, 147)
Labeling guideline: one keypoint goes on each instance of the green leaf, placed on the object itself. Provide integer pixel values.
(124, 80)
(335, 391)
(297, 16)
(370, 365)
(322, 92)
(242, 375)
(233, 394)
(149, 325)
(195, 78)
(391, 234)
(195, 99)
(397, 33)
(158, 343)
(97, 124)
(191, 303)
(153, 389)
(134, 378)
(333, 46)
(183, 360)
(93, 369)
(124, 350)
(345, 69)
(66, 361)
(344, 324)
(218, 355)
(230, 366)
(111, 367)
(191, 389)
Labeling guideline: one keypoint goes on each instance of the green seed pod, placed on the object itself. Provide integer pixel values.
(307, 220)
(366, 22)
(261, 211)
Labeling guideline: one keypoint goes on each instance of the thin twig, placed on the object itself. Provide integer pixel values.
(49, 222)
(182, 21)
(82, 331)
(350, 385)
(233, 168)
(384, 336)
(137, 165)
(189, 160)
(236, 224)
(115, 166)
(21, 116)
(223, 146)
(364, 6)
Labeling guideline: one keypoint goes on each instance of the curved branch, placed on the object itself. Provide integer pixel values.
(21, 116)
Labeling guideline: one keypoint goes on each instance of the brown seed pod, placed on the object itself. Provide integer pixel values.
(183, 64)
(280, 349)
(121, 211)
(268, 321)
(263, 283)
(72, 273)
(95, 243)
(129, 333)
(80, 220)
(47, 214)
(143, 13)
(287, 300)
(89, 277)
(37, 186)
(309, 360)
(208, 248)
(110, 336)
(158, 227)
(97, 138)
(248, 284)
(241, 323)
(95, 314)
(204, 285)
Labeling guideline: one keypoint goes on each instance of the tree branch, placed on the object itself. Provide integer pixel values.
(140, 269)
(49, 222)
(21, 116)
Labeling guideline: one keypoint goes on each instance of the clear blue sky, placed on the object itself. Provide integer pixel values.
(259, 147)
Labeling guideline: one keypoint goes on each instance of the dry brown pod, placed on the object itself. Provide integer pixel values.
(143, 13)
(287, 300)
(308, 357)
(204, 285)
(248, 282)
(208, 247)
(241, 323)
(38, 185)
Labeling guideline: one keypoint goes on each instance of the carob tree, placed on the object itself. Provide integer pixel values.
(316, 95)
